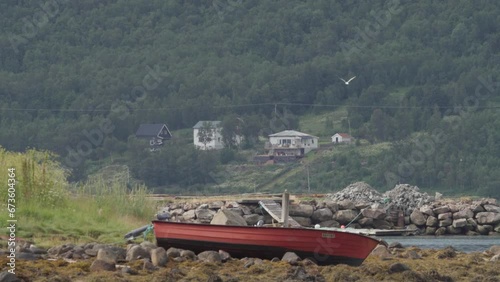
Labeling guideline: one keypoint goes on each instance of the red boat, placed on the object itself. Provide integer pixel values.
(325, 247)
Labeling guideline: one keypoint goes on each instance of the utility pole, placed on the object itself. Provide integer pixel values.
(308, 181)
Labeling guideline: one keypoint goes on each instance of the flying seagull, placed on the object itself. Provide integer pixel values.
(347, 82)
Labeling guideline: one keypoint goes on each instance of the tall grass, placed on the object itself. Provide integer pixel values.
(49, 210)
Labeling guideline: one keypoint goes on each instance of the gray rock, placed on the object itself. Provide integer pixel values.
(345, 216)
(333, 206)
(91, 252)
(418, 218)
(107, 255)
(101, 265)
(301, 210)
(477, 208)
(237, 211)
(210, 256)
(484, 229)
(303, 221)
(216, 205)
(346, 205)
(454, 230)
(58, 250)
(446, 215)
(291, 258)
(374, 213)
(39, 251)
(204, 215)
(148, 265)
(412, 254)
(189, 215)
(430, 230)
(427, 210)
(329, 223)
(461, 222)
(440, 231)
(382, 252)
(227, 217)
(495, 249)
(148, 246)
(6, 276)
(445, 222)
(322, 215)
(128, 270)
(188, 254)
(28, 256)
(488, 218)
(366, 222)
(159, 257)
(398, 267)
(137, 252)
(465, 213)
(174, 252)
(441, 209)
(432, 221)
(382, 224)
(492, 208)
(224, 256)
(252, 219)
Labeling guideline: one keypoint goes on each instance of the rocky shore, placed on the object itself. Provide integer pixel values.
(146, 262)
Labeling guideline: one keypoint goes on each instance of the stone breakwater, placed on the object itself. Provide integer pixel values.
(361, 206)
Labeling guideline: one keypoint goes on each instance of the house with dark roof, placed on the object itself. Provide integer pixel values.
(157, 133)
(342, 138)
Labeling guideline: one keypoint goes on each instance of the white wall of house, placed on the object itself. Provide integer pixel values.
(215, 144)
(308, 142)
(337, 138)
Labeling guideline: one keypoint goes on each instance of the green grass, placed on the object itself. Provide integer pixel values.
(49, 211)
(323, 125)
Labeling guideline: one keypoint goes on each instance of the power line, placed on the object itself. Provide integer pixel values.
(273, 104)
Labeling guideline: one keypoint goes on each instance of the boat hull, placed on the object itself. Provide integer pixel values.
(322, 246)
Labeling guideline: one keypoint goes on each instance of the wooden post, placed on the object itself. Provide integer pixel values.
(284, 211)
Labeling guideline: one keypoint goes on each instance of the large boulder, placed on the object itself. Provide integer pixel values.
(492, 208)
(465, 213)
(227, 217)
(189, 215)
(204, 215)
(210, 256)
(322, 215)
(461, 222)
(300, 210)
(489, 218)
(159, 257)
(137, 252)
(374, 213)
(345, 216)
(346, 205)
(432, 221)
(441, 209)
(418, 218)
(303, 221)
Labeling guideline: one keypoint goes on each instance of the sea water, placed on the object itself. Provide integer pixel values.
(465, 244)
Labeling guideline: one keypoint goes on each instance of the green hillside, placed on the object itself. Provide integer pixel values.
(78, 77)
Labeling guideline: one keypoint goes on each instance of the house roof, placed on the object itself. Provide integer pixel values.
(213, 123)
(152, 130)
(344, 135)
(292, 133)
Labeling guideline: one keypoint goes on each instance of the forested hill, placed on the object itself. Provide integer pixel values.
(66, 67)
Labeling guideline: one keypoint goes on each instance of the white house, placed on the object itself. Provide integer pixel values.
(342, 138)
(291, 143)
(207, 135)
